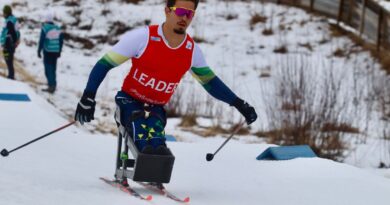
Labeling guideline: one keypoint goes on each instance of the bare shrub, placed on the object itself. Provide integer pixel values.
(72, 3)
(105, 12)
(323, 41)
(241, 131)
(230, 17)
(85, 42)
(267, 32)
(281, 49)
(199, 39)
(213, 131)
(343, 127)
(255, 19)
(307, 103)
(188, 120)
(258, 18)
(16, 4)
(383, 55)
(76, 13)
(265, 72)
(86, 27)
(118, 28)
(384, 59)
(339, 52)
(306, 45)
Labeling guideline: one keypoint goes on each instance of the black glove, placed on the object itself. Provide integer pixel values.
(246, 110)
(39, 55)
(85, 108)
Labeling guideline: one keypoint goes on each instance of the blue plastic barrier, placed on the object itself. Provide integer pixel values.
(286, 152)
(14, 97)
(170, 138)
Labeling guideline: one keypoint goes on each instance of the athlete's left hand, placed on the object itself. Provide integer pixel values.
(246, 110)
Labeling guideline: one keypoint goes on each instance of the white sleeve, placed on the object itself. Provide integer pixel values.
(132, 43)
(198, 60)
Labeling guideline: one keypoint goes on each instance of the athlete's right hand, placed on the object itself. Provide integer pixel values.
(246, 110)
(85, 108)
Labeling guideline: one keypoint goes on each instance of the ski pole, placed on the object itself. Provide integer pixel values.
(5, 152)
(210, 156)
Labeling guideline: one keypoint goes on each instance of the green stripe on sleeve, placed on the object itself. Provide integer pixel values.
(113, 59)
(203, 74)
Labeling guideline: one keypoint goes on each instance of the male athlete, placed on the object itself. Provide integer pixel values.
(160, 55)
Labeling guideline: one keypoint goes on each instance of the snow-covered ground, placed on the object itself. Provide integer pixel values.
(384, 3)
(64, 168)
(237, 53)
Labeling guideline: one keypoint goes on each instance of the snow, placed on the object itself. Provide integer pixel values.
(384, 3)
(237, 54)
(64, 168)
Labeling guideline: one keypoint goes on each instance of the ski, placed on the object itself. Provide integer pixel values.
(126, 189)
(159, 188)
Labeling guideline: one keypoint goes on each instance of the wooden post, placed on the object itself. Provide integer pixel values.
(380, 25)
(351, 6)
(363, 18)
(385, 29)
(311, 5)
(341, 10)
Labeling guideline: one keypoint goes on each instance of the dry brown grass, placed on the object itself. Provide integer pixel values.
(300, 110)
(213, 131)
(257, 18)
(198, 39)
(384, 59)
(330, 146)
(20, 73)
(72, 3)
(281, 49)
(306, 45)
(245, 130)
(287, 106)
(268, 32)
(230, 17)
(188, 120)
(383, 55)
(265, 74)
(339, 52)
(342, 127)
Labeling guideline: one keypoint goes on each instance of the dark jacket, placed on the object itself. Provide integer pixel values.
(11, 38)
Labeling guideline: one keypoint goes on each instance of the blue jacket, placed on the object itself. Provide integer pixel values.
(51, 39)
(10, 34)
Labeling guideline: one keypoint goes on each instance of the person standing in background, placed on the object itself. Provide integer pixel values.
(9, 39)
(50, 41)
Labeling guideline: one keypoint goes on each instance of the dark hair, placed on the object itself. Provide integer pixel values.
(7, 10)
(171, 3)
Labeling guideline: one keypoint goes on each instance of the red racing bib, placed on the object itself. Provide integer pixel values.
(154, 76)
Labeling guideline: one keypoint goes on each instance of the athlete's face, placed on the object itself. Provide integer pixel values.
(179, 23)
